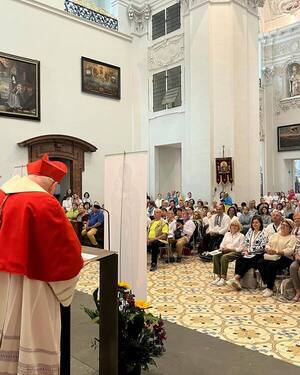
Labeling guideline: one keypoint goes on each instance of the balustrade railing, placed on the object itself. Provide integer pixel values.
(91, 15)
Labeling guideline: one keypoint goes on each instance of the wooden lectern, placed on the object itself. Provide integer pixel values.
(108, 347)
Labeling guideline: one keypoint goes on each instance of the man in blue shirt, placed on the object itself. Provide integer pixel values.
(95, 220)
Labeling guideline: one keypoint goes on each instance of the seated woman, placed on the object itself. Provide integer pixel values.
(232, 212)
(295, 272)
(82, 214)
(88, 207)
(73, 213)
(245, 219)
(67, 200)
(87, 198)
(76, 199)
(296, 230)
(231, 247)
(288, 210)
(265, 216)
(279, 255)
(253, 251)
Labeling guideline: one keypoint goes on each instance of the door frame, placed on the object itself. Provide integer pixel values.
(61, 146)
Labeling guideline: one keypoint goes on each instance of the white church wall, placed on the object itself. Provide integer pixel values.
(58, 42)
(59, 4)
(197, 158)
(165, 130)
(234, 95)
(280, 48)
(220, 97)
(187, 124)
(168, 176)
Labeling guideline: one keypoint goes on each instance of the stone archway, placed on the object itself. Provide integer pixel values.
(63, 147)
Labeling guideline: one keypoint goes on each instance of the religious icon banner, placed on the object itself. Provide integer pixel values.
(224, 170)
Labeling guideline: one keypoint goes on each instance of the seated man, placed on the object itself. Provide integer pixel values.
(218, 226)
(274, 227)
(172, 223)
(95, 220)
(187, 229)
(158, 232)
(164, 214)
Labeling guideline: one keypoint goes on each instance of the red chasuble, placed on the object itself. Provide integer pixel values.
(36, 238)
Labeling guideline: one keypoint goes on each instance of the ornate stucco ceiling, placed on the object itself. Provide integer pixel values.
(280, 7)
(279, 13)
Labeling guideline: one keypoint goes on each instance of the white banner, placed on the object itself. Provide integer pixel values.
(125, 198)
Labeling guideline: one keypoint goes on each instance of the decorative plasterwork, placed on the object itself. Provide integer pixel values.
(167, 52)
(289, 103)
(139, 17)
(285, 49)
(278, 77)
(267, 75)
(261, 115)
(280, 35)
(251, 5)
(279, 7)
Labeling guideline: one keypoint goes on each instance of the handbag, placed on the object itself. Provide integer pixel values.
(287, 289)
(249, 280)
(272, 257)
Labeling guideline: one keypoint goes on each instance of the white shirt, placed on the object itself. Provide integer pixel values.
(206, 222)
(172, 228)
(188, 229)
(158, 202)
(67, 204)
(222, 228)
(268, 199)
(233, 241)
(270, 230)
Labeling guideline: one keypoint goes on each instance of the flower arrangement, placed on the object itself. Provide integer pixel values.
(141, 335)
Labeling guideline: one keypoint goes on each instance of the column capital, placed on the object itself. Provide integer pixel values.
(138, 17)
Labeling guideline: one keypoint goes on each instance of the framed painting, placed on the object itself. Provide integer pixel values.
(19, 87)
(100, 78)
(289, 137)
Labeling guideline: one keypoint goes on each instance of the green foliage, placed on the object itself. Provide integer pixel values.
(141, 335)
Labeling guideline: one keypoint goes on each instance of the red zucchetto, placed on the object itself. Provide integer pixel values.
(45, 167)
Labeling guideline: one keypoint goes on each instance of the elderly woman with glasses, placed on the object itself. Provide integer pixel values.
(279, 255)
(230, 248)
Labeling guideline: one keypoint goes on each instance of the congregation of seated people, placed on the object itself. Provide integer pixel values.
(262, 239)
(86, 217)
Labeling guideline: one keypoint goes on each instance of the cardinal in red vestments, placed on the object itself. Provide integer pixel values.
(40, 259)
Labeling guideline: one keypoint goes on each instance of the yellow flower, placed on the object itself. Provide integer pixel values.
(142, 304)
(124, 285)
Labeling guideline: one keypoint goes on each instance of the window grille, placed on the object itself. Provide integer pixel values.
(166, 21)
(173, 18)
(158, 25)
(167, 89)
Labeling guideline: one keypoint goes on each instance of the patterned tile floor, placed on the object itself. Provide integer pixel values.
(182, 294)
